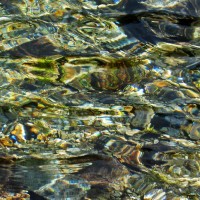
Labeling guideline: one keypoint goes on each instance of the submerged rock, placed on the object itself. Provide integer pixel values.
(99, 99)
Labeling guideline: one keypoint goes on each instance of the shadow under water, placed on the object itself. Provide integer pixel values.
(100, 99)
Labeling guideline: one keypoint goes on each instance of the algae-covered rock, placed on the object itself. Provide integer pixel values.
(99, 99)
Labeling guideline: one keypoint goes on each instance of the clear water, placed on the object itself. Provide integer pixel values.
(99, 99)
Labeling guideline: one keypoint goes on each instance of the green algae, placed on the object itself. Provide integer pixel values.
(109, 78)
(45, 64)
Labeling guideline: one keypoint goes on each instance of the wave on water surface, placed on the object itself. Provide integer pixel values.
(100, 99)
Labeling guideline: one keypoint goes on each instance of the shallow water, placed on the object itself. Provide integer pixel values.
(100, 99)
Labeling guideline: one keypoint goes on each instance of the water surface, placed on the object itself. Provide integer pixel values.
(100, 99)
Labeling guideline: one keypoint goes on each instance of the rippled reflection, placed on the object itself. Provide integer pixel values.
(99, 99)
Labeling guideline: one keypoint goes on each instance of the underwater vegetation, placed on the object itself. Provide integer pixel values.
(100, 99)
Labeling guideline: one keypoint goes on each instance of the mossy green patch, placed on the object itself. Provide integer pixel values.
(45, 64)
